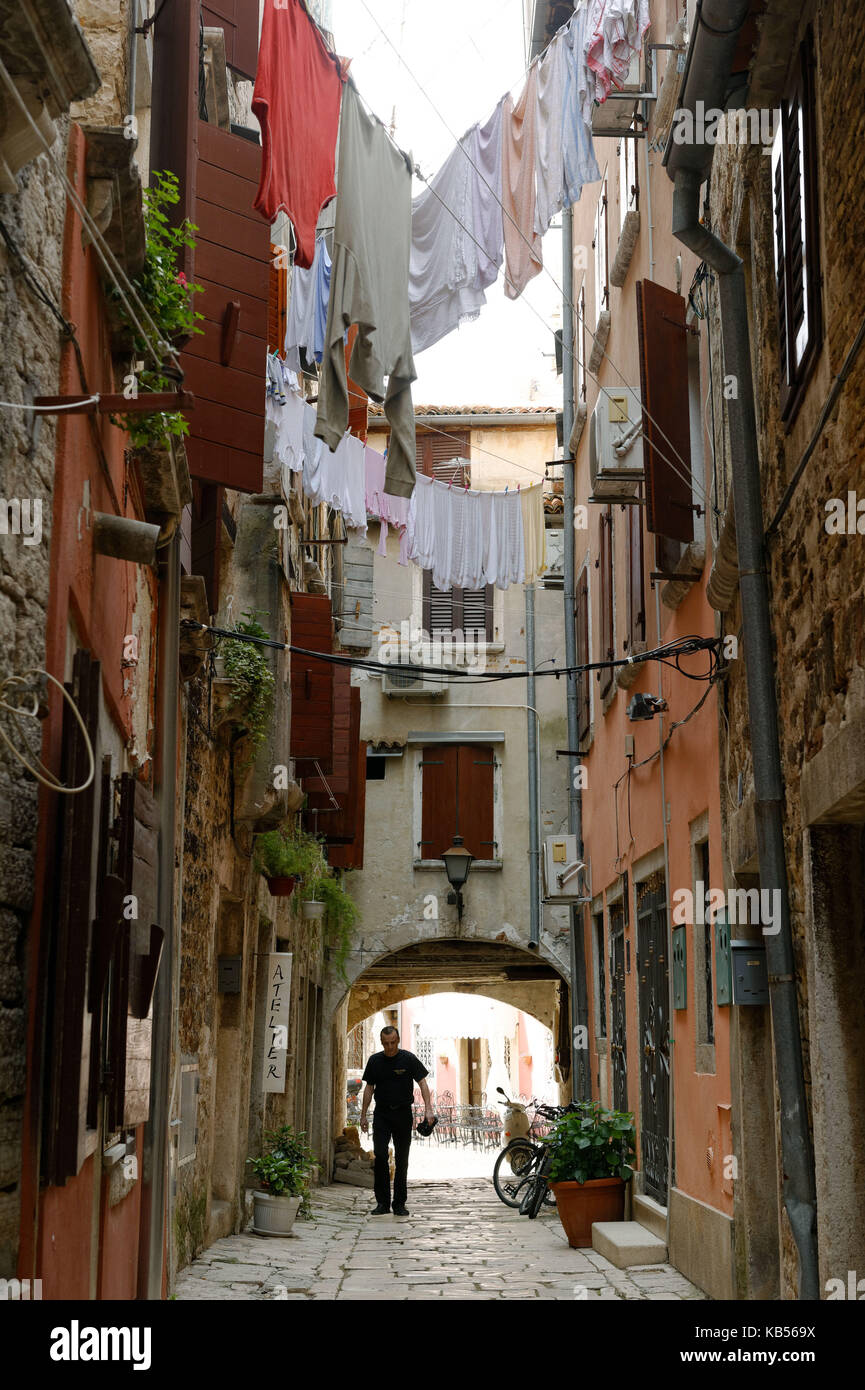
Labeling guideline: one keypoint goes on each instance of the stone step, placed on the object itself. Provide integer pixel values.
(626, 1243)
(650, 1214)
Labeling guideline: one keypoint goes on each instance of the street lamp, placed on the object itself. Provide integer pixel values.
(457, 862)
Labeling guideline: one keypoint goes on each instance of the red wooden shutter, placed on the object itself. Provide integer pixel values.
(439, 797)
(349, 855)
(338, 823)
(666, 420)
(277, 302)
(583, 685)
(225, 365)
(606, 633)
(239, 21)
(475, 783)
(434, 452)
(636, 581)
(311, 685)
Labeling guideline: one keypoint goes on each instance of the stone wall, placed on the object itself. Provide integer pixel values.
(816, 580)
(30, 346)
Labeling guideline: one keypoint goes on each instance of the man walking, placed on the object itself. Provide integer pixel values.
(391, 1075)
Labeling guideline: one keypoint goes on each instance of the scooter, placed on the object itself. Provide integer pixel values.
(517, 1124)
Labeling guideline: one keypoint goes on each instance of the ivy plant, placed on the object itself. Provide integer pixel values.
(168, 297)
(253, 682)
(341, 919)
(591, 1142)
(287, 853)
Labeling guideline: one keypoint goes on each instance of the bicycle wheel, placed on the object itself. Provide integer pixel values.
(511, 1166)
(526, 1194)
(540, 1188)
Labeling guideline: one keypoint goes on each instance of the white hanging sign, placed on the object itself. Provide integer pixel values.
(276, 1029)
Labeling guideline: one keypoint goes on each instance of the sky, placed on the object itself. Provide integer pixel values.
(465, 54)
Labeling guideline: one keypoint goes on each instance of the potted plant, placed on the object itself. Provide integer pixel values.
(245, 683)
(594, 1150)
(284, 856)
(283, 1172)
(341, 917)
(314, 906)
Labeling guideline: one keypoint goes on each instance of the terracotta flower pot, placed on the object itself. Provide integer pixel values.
(581, 1203)
(282, 887)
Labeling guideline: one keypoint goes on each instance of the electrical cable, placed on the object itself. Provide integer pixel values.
(45, 776)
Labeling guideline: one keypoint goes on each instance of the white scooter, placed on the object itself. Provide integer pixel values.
(517, 1124)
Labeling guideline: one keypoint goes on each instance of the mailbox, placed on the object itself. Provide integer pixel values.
(750, 976)
(680, 968)
(229, 974)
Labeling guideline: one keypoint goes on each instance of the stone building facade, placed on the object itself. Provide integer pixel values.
(809, 438)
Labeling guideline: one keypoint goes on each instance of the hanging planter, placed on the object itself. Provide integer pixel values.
(313, 911)
(282, 886)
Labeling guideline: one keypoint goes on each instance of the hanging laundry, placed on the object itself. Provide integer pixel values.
(456, 216)
(338, 477)
(300, 324)
(548, 153)
(467, 538)
(369, 287)
(578, 151)
(534, 531)
(298, 87)
(523, 254)
(615, 32)
(389, 511)
(510, 562)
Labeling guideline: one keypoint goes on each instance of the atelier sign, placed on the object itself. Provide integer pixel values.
(276, 1031)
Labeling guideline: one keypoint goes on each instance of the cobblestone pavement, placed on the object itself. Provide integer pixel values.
(459, 1242)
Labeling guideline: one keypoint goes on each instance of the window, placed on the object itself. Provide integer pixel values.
(602, 259)
(423, 1049)
(584, 687)
(444, 456)
(375, 768)
(636, 638)
(457, 796)
(797, 264)
(606, 632)
(629, 190)
(600, 977)
(664, 382)
(452, 610)
(581, 346)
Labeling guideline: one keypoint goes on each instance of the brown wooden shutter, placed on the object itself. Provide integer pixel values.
(439, 799)
(277, 302)
(433, 454)
(206, 538)
(338, 824)
(475, 790)
(349, 855)
(583, 684)
(311, 685)
(666, 421)
(225, 365)
(477, 611)
(239, 21)
(636, 581)
(606, 633)
(797, 261)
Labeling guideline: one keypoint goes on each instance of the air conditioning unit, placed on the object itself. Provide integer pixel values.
(409, 681)
(616, 445)
(562, 868)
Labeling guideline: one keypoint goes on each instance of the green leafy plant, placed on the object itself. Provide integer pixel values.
(167, 295)
(341, 919)
(591, 1143)
(287, 853)
(253, 682)
(285, 1167)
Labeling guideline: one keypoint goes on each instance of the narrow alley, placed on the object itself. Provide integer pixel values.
(458, 1242)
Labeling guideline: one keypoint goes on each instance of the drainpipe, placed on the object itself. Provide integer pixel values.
(671, 1012)
(707, 73)
(534, 813)
(154, 1176)
(581, 1084)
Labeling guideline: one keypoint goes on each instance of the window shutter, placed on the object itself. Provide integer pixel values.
(666, 422)
(239, 21)
(607, 640)
(434, 453)
(581, 345)
(797, 267)
(600, 246)
(477, 611)
(583, 682)
(311, 685)
(439, 797)
(224, 366)
(277, 301)
(206, 538)
(636, 581)
(475, 782)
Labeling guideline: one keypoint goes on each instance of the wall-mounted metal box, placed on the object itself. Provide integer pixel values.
(723, 963)
(680, 968)
(750, 977)
(228, 974)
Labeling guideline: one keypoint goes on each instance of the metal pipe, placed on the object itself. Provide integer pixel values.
(798, 1186)
(154, 1182)
(671, 1013)
(534, 812)
(581, 1085)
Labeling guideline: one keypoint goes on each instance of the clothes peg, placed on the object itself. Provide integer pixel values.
(519, 485)
(506, 489)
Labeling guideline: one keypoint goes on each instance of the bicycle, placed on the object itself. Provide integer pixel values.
(534, 1191)
(520, 1160)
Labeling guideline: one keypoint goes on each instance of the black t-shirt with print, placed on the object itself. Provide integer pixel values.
(394, 1078)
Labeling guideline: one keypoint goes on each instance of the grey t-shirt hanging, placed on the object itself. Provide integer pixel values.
(369, 287)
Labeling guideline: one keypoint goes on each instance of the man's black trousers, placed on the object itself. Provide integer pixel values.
(390, 1125)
